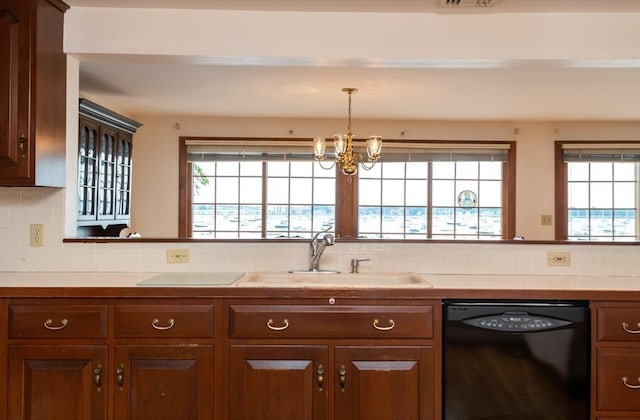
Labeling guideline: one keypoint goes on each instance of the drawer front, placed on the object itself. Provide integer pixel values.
(618, 379)
(152, 321)
(300, 321)
(619, 324)
(58, 321)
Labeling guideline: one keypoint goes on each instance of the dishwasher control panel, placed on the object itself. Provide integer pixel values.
(520, 322)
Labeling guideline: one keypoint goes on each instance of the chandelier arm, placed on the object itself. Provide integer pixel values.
(333, 164)
(367, 167)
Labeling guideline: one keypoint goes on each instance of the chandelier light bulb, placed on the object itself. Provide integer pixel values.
(319, 148)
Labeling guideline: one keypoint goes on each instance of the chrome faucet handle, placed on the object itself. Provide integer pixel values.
(355, 263)
(315, 237)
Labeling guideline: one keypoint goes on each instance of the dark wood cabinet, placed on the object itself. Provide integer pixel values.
(271, 382)
(617, 360)
(58, 363)
(65, 357)
(315, 362)
(384, 382)
(58, 382)
(105, 148)
(32, 93)
(164, 382)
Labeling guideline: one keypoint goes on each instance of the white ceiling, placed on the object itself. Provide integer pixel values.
(428, 6)
(435, 89)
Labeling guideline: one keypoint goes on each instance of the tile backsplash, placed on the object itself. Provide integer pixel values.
(20, 207)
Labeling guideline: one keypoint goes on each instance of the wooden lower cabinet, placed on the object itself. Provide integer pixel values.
(332, 360)
(109, 359)
(617, 360)
(384, 383)
(278, 382)
(299, 382)
(163, 382)
(57, 382)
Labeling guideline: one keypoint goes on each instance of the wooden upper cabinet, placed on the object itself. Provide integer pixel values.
(105, 161)
(32, 93)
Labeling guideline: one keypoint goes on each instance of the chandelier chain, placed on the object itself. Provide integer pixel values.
(349, 124)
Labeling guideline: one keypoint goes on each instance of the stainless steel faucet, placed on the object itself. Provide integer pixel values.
(355, 263)
(318, 246)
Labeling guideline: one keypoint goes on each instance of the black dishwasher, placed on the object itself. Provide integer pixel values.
(516, 360)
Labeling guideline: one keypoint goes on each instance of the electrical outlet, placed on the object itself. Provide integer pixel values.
(178, 256)
(36, 235)
(558, 259)
(546, 220)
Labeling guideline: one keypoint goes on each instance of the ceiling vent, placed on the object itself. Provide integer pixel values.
(466, 3)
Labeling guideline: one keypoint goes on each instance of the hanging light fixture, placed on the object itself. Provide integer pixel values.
(345, 157)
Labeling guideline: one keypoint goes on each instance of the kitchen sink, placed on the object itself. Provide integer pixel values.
(333, 280)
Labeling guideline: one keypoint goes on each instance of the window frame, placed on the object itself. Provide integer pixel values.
(346, 206)
(562, 187)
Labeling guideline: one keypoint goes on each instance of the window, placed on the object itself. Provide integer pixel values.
(260, 188)
(227, 199)
(394, 200)
(599, 184)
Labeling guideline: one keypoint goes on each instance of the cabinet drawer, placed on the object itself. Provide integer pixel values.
(149, 321)
(57, 321)
(619, 323)
(301, 321)
(618, 379)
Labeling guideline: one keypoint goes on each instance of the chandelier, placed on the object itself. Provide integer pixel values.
(345, 157)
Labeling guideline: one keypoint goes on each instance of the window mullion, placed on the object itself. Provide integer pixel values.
(263, 214)
(430, 200)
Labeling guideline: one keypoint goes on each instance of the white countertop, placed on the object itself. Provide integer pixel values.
(438, 281)
(534, 282)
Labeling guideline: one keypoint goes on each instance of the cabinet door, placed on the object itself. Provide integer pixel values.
(278, 383)
(618, 379)
(168, 382)
(106, 173)
(50, 382)
(32, 93)
(87, 170)
(123, 176)
(384, 383)
(13, 36)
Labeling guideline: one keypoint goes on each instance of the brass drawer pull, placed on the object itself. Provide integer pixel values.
(320, 376)
(170, 325)
(342, 377)
(97, 376)
(284, 326)
(626, 383)
(120, 375)
(48, 324)
(22, 141)
(626, 328)
(377, 326)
